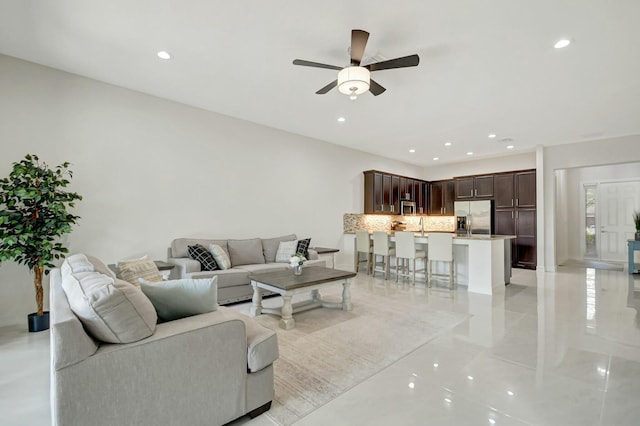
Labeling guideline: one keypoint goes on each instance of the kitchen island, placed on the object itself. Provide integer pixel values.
(482, 262)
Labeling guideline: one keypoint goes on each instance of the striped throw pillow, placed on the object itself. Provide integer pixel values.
(202, 255)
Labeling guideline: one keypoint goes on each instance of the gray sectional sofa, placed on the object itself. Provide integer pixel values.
(206, 369)
(247, 256)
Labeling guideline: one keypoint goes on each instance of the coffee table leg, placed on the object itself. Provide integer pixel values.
(256, 306)
(346, 296)
(287, 322)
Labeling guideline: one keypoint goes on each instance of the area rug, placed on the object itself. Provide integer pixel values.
(330, 351)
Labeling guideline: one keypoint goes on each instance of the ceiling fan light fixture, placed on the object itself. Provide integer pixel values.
(353, 81)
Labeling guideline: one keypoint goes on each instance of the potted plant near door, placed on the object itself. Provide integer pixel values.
(636, 220)
(33, 217)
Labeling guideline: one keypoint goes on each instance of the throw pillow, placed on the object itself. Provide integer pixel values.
(245, 252)
(175, 299)
(111, 310)
(131, 270)
(202, 255)
(221, 257)
(303, 247)
(286, 249)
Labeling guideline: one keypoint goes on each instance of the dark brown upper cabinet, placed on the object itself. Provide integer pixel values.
(441, 198)
(474, 187)
(383, 192)
(525, 189)
(504, 189)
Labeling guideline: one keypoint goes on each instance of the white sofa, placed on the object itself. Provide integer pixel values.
(205, 369)
(247, 256)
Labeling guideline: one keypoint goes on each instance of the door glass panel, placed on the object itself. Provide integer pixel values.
(590, 221)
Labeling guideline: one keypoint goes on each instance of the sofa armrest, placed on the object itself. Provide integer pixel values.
(203, 359)
(313, 255)
(184, 266)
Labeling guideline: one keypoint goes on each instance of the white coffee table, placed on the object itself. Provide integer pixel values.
(286, 284)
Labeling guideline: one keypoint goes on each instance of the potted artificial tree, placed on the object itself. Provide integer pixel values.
(636, 220)
(33, 217)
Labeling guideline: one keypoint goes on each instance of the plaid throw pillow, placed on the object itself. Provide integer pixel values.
(303, 247)
(202, 255)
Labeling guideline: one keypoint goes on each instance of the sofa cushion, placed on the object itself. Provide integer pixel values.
(111, 310)
(265, 267)
(132, 270)
(175, 299)
(270, 246)
(286, 249)
(245, 252)
(226, 278)
(303, 247)
(221, 257)
(180, 246)
(204, 256)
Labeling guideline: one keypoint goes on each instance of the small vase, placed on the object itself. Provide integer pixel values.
(297, 270)
(637, 236)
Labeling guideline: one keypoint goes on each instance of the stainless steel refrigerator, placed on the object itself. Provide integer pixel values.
(474, 217)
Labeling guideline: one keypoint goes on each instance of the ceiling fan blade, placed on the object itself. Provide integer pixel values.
(375, 88)
(405, 61)
(315, 64)
(328, 87)
(358, 43)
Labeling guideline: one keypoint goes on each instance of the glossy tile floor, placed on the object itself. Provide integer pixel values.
(558, 349)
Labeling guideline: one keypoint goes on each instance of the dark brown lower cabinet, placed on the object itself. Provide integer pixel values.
(522, 224)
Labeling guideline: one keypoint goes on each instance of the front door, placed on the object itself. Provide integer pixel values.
(617, 201)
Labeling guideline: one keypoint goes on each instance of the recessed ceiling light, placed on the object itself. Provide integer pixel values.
(412, 151)
(447, 144)
(562, 43)
(164, 55)
(492, 135)
(509, 146)
(341, 119)
(436, 159)
(469, 153)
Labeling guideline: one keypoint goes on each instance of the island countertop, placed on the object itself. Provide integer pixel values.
(484, 261)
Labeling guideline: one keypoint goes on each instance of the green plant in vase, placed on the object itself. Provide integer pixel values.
(33, 217)
(636, 221)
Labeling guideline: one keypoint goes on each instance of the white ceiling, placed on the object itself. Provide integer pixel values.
(485, 66)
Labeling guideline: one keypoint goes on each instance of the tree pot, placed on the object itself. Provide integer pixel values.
(38, 322)
(638, 236)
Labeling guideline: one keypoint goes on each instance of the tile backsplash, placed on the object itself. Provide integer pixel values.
(381, 222)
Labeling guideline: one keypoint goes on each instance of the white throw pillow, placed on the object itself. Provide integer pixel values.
(221, 257)
(175, 299)
(112, 310)
(286, 249)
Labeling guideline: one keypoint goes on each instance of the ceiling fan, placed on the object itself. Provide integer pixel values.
(354, 79)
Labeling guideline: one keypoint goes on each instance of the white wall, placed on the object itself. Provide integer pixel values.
(611, 151)
(562, 216)
(575, 200)
(521, 161)
(152, 170)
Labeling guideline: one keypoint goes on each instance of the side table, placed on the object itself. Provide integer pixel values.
(327, 250)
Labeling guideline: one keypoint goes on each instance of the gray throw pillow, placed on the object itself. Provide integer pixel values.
(110, 309)
(245, 252)
(175, 299)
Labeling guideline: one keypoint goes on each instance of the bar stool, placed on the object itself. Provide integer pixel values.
(382, 247)
(363, 245)
(440, 250)
(406, 250)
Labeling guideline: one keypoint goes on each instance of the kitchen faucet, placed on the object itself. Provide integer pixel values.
(422, 226)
